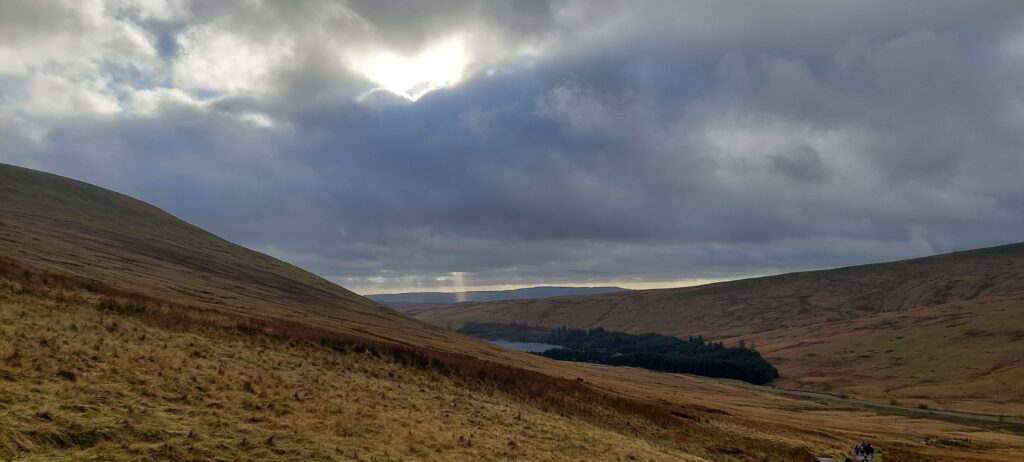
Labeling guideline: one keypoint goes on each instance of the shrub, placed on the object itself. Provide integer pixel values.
(663, 353)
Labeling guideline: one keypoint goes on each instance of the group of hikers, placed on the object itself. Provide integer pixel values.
(863, 452)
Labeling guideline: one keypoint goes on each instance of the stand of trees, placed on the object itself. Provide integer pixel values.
(693, 355)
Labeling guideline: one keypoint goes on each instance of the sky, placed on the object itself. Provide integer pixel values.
(396, 145)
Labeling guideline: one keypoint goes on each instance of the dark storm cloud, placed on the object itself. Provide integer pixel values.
(801, 163)
(588, 142)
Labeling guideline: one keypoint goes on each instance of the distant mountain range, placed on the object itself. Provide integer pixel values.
(436, 298)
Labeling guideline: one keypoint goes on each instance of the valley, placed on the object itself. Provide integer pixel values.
(129, 334)
(943, 332)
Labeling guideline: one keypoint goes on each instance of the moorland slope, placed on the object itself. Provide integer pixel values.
(54, 223)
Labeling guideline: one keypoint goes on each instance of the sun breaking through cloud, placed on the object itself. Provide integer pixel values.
(440, 66)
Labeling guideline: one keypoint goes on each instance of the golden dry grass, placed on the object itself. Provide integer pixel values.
(93, 374)
(78, 383)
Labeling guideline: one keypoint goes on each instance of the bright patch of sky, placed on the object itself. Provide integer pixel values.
(436, 67)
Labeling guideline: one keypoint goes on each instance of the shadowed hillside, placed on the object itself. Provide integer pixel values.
(57, 223)
(127, 334)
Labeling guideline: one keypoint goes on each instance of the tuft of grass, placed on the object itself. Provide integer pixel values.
(6, 349)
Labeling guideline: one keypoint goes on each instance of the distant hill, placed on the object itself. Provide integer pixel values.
(877, 330)
(401, 300)
(750, 306)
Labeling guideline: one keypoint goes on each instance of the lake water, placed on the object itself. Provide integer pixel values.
(529, 347)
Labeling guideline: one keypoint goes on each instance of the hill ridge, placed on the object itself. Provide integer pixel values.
(54, 223)
(767, 302)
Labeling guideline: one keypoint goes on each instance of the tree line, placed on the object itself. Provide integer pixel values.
(693, 355)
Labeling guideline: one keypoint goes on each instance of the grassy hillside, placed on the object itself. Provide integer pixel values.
(105, 217)
(126, 334)
(81, 382)
(946, 329)
(89, 372)
(966, 356)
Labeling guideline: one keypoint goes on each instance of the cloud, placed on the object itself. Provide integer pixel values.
(801, 163)
(50, 95)
(209, 59)
(582, 142)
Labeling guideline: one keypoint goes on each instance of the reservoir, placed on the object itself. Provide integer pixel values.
(529, 347)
